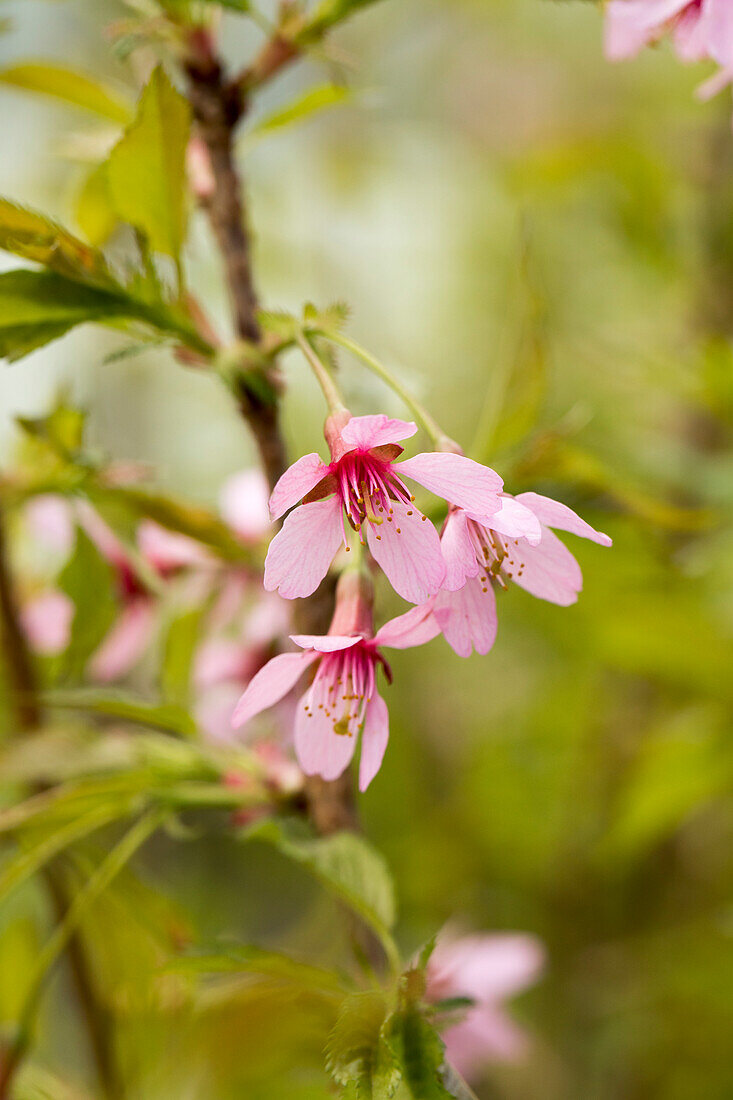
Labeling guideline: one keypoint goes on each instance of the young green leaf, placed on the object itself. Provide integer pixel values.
(420, 1054)
(37, 307)
(33, 236)
(304, 106)
(158, 716)
(146, 170)
(88, 580)
(70, 86)
(347, 865)
(178, 515)
(179, 649)
(330, 12)
(357, 1055)
(95, 215)
(254, 960)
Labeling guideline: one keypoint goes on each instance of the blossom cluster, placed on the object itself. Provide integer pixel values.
(700, 30)
(488, 540)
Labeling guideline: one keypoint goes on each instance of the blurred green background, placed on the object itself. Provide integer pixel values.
(542, 244)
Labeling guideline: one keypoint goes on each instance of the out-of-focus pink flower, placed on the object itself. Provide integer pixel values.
(701, 29)
(168, 551)
(363, 483)
(243, 505)
(46, 620)
(517, 545)
(51, 521)
(126, 641)
(343, 698)
(487, 969)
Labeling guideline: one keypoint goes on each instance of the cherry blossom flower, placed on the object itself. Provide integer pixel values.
(225, 661)
(243, 505)
(485, 969)
(701, 29)
(517, 546)
(343, 698)
(46, 621)
(363, 483)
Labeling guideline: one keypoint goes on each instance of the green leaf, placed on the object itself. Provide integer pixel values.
(304, 106)
(146, 170)
(254, 960)
(167, 717)
(93, 210)
(88, 580)
(178, 653)
(356, 1052)
(346, 864)
(420, 1054)
(33, 236)
(62, 430)
(37, 307)
(180, 516)
(44, 845)
(330, 12)
(68, 85)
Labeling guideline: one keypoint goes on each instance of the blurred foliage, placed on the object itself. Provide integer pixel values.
(545, 241)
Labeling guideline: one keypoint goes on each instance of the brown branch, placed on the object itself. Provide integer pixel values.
(24, 701)
(218, 106)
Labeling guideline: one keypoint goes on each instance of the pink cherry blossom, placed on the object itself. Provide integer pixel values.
(343, 698)
(518, 546)
(485, 969)
(168, 551)
(243, 505)
(46, 621)
(701, 29)
(364, 484)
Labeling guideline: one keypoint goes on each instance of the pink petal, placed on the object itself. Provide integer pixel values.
(458, 551)
(373, 740)
(416, 627)
(51, 520)
(296, 482)
(102, 535)
(467, 618)
(320, 750)
(326, 643)
(457, 479)
(364, 432)
(633, 24)
(213, 712)
(487, 1034)
(690, 38)
(219, 660)
(270, 684)
(46, 620)
(243, 505)
(300, 554)
(551, 513)
(488, 967)
(718, 20)
(408, 549)
(548, 571)
(125, 643)
(268, 619)
(517, 521)
(167, 550)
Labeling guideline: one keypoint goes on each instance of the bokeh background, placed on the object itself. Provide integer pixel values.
(542, 244)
